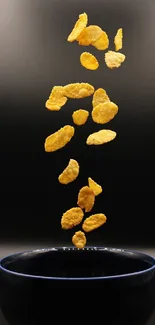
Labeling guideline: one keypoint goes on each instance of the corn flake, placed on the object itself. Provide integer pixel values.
(100, 96)
(89, 34)
(70, 173)
(86, 198)
(78, 27)
(52, 107)
(104, 112)
(114, 59)
(79, 239)
(80, 116)
(56, 99)
(71, 218)
(59, 139)
(118, 39)
(89, 61)
(101, 137)
(78, 90)
(102, 42)
(93, 222)
(97, 189)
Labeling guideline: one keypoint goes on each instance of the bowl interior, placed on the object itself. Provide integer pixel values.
(73, 263)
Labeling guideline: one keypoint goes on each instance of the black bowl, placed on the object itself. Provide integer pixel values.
(99, 284)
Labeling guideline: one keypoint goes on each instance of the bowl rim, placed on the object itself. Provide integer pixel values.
(147, 257)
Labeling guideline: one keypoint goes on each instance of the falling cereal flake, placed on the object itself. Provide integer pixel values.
(72, 218)
(70, 173)
(104, 112)
(93, 222)
(100, 96)
(114, 59)
(97, 189)
(79, 239)
(89, 35)
(118, 39)
(80, 116)
(102, 43)
(59, 139)
(101, 137)
(78, 27)
(78, 90)
(89, 61)
(56, 99)
(86, 198)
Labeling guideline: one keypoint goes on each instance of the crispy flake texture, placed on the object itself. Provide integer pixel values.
(89, 61)
(72, 218)
(86, 198)
(78, 27)
(79, 239)
(59, 139)
(100, 96)
(104, 112)
(101, 137)
(78, 90)
(70, 173)
(56, 99)
(102, 43)
(93, 222)
(89, 34)
(114, 59)
(118, 39)
(80, 116)
(97, 189)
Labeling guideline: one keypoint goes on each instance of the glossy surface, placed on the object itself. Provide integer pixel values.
(71, 263)
(35, 284)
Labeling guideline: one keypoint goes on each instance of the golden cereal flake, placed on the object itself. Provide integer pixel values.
(59, 139)
(89, 34)
(79, 239)
(70, 173)
(56, 99)
(100, 96)
(89, 61)
(72, 218)
(104, 112)
(101, 137)
(102, 43)
(52, 107)
(114, 59)
(97, 189)
(80, 116)
(57, 92)
(86, 198)
(118, 39)
(93, 222)
(78, 90)
(78, 27)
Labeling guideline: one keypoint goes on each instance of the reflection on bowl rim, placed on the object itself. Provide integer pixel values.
(89, 248)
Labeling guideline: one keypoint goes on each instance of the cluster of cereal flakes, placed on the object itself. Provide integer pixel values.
(93, 35)
(103, 111)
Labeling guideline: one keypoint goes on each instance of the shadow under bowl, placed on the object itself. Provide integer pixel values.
(45, 286)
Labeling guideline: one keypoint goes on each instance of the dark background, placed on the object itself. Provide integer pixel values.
(34, 57)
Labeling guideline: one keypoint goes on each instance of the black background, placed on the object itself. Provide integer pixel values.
(34, 57)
